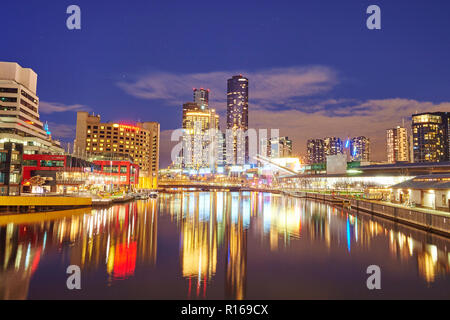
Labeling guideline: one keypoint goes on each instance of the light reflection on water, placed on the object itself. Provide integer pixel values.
(219, 245)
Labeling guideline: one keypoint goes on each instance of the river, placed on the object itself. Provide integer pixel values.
(219, 245)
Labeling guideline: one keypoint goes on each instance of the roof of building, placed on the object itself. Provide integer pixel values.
(407, 165)
(431, 181)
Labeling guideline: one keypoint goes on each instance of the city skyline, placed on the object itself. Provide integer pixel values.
(206, 152)
(295, 88)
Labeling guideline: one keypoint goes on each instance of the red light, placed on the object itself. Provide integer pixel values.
(124, 126)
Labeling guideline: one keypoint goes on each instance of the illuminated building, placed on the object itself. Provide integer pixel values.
(19, 111)
(315, 150)
(10, 168)
(189, 107)
(119, 173)
(67, 174)
(360, 149)
(397, 144)
(278, 147)
(431, 136)
(202, 139)
(237, 120)
(140, 142)
(333, 146)
(201, 98)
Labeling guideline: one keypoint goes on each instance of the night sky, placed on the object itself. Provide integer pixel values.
(313, 66)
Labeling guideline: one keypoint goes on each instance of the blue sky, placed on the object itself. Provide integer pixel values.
(314, 67)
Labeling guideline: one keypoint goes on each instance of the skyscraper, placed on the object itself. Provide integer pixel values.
(333, 146)
(360, 149)
(189, 107)
(280, 147)
(431, 136)
(397, 144)
(237, 119)
(200, 136)
(201, 98)
(316, 151)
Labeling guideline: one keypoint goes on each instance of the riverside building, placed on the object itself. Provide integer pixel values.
(19, 111)
(113, 140)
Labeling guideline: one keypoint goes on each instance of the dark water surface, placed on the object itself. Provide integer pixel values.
(219, 245)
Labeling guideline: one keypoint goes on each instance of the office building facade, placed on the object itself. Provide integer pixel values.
(19, 111)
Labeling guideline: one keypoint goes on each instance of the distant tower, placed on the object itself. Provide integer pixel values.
(431, 136)
(397, 144)
(201, 98)
(360, 149)
(315, 149)
(237, 118)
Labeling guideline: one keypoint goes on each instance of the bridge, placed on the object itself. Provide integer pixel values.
(167, 185)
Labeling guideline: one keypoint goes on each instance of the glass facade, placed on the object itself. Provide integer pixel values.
(430, 137)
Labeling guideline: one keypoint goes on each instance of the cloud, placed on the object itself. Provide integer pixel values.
(370, 118)
(54, 107)
(267, 87)
(62, 131)
(296, 100)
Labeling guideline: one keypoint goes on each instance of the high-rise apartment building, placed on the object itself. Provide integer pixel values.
(333, 146)
(201, 98)
(316, 151)
(360, 149)
(140, 142)
(280, 147)
(397, 149)
(201, 139)
(431, 136)
(19, 111)
(237, 120)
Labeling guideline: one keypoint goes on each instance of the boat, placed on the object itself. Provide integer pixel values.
(142, 196)
(153, 194)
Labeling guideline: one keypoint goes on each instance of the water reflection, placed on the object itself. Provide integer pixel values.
(214, 232)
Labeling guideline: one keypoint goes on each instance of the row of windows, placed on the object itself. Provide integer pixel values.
(28, 105)
(52, 163)
(44, 163)
(29, 97)
(8, 90)
(89, 136)
(114, 129)
(115, 169)
(8, 108)
(8, 99)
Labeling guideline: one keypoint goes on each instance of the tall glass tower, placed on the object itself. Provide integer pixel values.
(237, 119)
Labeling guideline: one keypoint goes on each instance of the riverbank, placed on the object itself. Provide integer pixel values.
(28, 204)
(428, 220)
